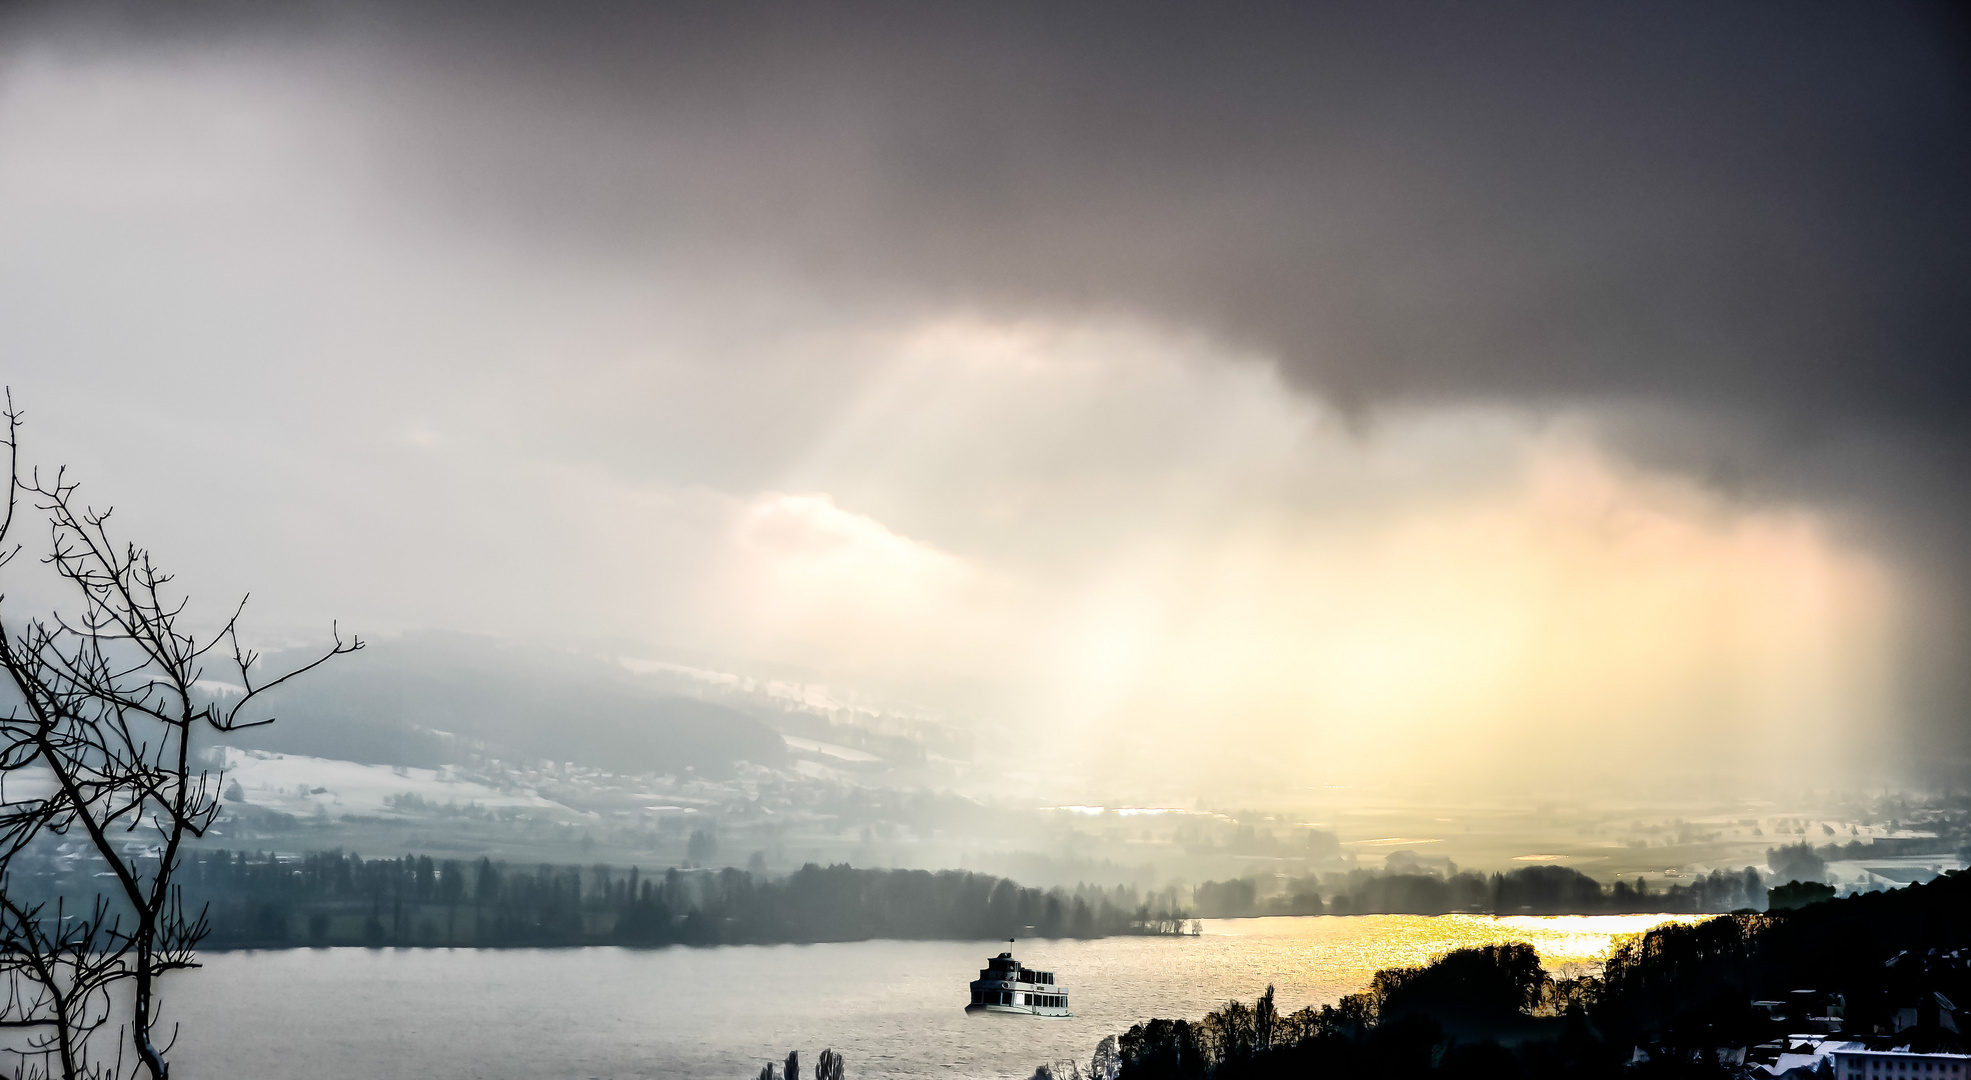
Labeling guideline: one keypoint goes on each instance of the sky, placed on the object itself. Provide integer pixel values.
(1190, 401)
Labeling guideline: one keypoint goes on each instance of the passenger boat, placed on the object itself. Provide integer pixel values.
(1004, 986)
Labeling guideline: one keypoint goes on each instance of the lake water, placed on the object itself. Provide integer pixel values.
(893, 1008)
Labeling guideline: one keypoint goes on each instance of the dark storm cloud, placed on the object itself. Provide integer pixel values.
(1757, 207)
(1751, 207)
(1746, 224)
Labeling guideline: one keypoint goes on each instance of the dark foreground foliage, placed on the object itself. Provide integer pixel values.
(1679, 993)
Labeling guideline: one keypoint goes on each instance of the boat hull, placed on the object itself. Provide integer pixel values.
(1021, 1010)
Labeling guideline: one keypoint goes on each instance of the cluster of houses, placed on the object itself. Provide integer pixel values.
(1923, 1040)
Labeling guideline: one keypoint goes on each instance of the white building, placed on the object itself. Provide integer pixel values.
(1854, 1061)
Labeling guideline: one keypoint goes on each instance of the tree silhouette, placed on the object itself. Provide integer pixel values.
(112, 698)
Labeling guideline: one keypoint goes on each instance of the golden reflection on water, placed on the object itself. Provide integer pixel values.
(1567, 945)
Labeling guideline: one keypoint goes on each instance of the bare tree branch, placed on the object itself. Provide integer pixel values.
(109, 711)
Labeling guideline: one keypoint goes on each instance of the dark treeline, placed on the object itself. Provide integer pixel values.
(329, 898)
(1679, 993)
(1531, 890)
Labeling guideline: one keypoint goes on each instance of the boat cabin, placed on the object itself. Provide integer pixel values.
(1004, 985)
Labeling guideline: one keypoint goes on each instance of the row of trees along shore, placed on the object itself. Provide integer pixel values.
(1679, 994)
(263, 900)
(330, 898)
(1530, 890)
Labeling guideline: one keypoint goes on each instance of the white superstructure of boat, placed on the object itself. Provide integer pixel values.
(1004, 986)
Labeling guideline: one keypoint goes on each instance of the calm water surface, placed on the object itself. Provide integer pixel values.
(894, 1008)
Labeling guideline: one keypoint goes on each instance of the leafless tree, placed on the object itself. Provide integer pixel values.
(1106, 1063)
(829, 1067)
(56, 971)
(111, 700)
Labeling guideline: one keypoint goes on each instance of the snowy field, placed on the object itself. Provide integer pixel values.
(299, 785)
